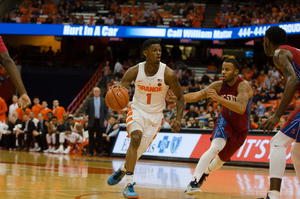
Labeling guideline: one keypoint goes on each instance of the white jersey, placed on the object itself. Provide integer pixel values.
(150, 92)
(74, 129)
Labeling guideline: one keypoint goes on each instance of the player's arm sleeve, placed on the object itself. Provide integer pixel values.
(2, 46)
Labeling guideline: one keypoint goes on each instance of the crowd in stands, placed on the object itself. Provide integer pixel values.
(234, 14)
(132, 13)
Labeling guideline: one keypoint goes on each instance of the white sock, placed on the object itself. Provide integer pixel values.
(274, 194)
(295, 152)
(278, 146)
(216, 146)
(216, 164)
(36, 145)
(129, 179)
(123, 167)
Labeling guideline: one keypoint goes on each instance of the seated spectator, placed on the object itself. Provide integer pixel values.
(196, 22)
(110, 135)
(253, 125)
(202, 112)
(261, 78)
(100, 21)
(205, 79)
(248, 74)
(127, 21)
(172, 23)
(142, 21)
(261, 120)
(49, 20)
(93, 8)
(210, 123)
(176, 9)
(191, 113)
(167, 7)
(26, 129)
(6, 18)
(259, 109)
(281, 123)
(10, 136)
(183, 123)
(86, 7)
(166, 123)
(81, 20)
(111, 83)
(179, 22)
(192, 123)
(52, 135)
(152, 22)
(118, 20)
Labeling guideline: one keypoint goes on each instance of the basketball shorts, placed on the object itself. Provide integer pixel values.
(291, 127)
(148, 124)
(235, 139)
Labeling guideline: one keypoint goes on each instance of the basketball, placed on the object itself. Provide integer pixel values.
(117, 99)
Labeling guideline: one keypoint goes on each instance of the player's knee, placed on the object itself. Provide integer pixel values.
(214, 149)
(136, 137)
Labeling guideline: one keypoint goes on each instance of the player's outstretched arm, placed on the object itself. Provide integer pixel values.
(128, 77)
(239, 106)
(12, 71)
(282, 60)
(172, 81)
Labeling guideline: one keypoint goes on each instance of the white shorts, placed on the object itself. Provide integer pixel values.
(148, 124)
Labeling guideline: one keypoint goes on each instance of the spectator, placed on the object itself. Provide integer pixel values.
(192, 123)
(109, 20)
(52, 135)
(26, 129)
(191, 113)
(100, 21)
(40, 133)
(152, 22)
(179, 22)
(110, 135)
(58, 19)
(281, 123)
(205, 79)
(118, 20)
(172, 23)
(260, 109)
(10, 137)
(196, 23)
(261, 78)
(262, 119)
(253, 125)
(81, 20)
(86, 7)
(118, 69)
(210, 123)
(49, 20)
(248, 74)
(45, 110)
(78, 7)
(183, 123)
(176, 9)
(6, 18)
(167, 7)
(3, 110)
(36, 108)
(93, 8)
(142, 21)
(267, 81)
(166, 123)
(225, 8)
(58, 111)
(13, 106)
(153, 6)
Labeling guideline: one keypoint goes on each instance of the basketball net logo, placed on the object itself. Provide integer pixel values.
(118, 94)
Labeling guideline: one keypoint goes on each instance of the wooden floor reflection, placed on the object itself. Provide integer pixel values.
(47, 176)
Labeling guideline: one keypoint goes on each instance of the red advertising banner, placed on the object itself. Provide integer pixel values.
(254, 149)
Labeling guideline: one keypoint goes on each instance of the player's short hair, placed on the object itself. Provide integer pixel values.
(149, 42)
(51, 113)
(36, 98)
(235, 63)
(25, 114)
(276, 35)
(54, 117)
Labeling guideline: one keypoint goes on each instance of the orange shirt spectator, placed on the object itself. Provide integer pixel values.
(45, 112)
(2, 71)
(253, 125)
(190, 17)
(212, 68)
(36, 109)
(196, 23)
(59, 112)
(261, 78)
(125, 9)
(3, 110)
(20, 113)
(248, 74)
(218, 21)
(115, 7)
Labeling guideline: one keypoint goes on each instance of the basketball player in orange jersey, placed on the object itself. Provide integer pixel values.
(12, 71)
(232, 126)
(287, 60)
(144, 118)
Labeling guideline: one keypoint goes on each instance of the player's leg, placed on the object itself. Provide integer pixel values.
(53, 137)
(216, 146)
(279, 144)
(48, 138)
(295, 152)
(62, 138)
(73, 137)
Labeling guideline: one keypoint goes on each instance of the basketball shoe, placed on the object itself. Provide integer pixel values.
(129, 192)
(202, 179)
(193, 188)
(116, 177)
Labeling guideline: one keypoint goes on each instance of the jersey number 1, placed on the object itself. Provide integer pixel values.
(148, 98)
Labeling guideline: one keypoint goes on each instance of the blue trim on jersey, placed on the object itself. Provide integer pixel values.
(296, 69)
(219, 130)
(249, 108)
(293, 129)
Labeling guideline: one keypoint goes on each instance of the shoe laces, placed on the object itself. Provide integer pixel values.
(118, 174)
(130, 187)
(194, 183)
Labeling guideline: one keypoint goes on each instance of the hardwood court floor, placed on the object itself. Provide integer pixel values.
(47, 176)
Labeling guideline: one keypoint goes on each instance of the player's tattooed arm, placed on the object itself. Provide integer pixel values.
(172, 81)
(282, 60)
(128, 77)
(202, 94)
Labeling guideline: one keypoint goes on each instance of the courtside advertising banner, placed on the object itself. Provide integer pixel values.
(144, 32)
(186, 145)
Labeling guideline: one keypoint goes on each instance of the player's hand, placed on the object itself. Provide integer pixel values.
(269, 124)
(119, 86)
(211, 93)
(176, 126)
(24, 101)
(47, 123)
(170, 96)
